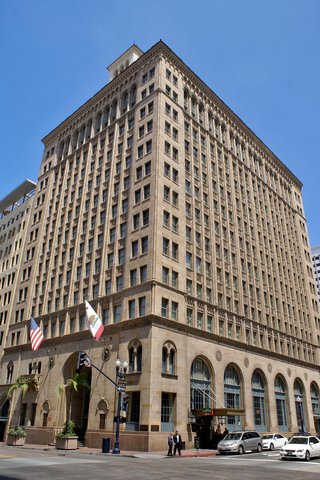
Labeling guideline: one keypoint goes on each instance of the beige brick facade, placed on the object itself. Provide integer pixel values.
(187, 235)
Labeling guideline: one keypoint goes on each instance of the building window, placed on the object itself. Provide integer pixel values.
(117, 312)
(132, 308)
(142, 306)
(232, 397)
(167, 411)
(164, 307)
(280, 394)
(258, 400)
(169, 358)
(135, 356)
(200, 383)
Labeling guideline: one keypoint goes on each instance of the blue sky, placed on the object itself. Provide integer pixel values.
(261, 57)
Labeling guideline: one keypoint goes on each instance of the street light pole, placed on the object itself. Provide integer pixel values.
(121, 370)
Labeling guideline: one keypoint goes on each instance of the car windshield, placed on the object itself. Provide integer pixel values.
(267, 437)
(233, 436)
(299, 441)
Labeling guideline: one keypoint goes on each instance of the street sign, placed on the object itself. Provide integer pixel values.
(121, 388)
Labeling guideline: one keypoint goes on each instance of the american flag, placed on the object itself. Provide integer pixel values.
(36, 336)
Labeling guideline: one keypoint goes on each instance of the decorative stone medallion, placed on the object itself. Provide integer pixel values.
(106, 354)
(289, 372)
(269, 367)
(218, 355)
(246, 362)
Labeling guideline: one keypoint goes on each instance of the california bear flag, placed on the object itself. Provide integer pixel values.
(95, 325)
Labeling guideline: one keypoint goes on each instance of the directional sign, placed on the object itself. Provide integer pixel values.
(121, 388)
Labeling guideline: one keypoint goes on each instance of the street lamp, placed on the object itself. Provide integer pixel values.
(299, 401)
(121, 370)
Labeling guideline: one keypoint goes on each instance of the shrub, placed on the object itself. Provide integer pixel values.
(17, 431)
(68, 430)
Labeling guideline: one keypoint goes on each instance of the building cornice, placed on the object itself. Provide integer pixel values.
(163, 323)
(161, 48)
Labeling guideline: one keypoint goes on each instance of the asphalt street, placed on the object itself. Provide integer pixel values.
(33, 465)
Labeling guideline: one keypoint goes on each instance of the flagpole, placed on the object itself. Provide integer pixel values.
(51, 358)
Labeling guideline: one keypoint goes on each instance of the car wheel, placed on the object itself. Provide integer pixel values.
(271, 446)
(241, 450)
(307, 457)
(259, 447)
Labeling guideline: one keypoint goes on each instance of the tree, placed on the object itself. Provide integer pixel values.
(71, 386)
(24, 384)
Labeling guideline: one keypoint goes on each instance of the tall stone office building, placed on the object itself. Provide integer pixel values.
(187, 235)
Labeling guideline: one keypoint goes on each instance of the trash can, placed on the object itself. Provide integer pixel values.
(183, 445)
(106, 445)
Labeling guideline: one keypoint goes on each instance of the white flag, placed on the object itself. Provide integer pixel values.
(95, 324)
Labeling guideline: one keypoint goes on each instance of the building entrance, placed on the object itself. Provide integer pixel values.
(4, 415)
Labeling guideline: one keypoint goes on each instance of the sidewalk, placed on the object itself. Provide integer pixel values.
(97, 451)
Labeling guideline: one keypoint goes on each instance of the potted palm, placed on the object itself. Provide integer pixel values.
(67, 439)
(24, 384)
(16, 436)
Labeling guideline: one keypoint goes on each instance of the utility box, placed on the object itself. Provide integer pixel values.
(106, 445)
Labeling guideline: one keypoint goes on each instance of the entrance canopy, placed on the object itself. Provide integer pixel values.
(219, 412)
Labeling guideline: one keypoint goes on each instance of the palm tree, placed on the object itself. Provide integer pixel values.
(24, 384)
(71, 386)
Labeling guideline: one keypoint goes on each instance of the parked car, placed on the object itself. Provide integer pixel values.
(300, 434)
(240, 442)
(301, 446)
(273, 441)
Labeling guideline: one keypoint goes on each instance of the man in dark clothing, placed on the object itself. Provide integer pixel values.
(170, 444)
(177, 442)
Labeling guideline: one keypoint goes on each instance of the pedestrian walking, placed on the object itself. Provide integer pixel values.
(177, 443)
(170, 444)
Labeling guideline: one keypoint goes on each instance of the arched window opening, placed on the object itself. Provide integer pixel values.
(168, 358)
(133, 95)
(102, 412)
(232, 396)
(106, 115)
(314, 393)
(280, 393)
(114, 110)
(135, 356)
(186, 99)
(258, 400)
(200, 385)
(299, 403)
(124, 102)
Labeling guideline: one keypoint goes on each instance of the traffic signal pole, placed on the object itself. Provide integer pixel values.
(85, 361)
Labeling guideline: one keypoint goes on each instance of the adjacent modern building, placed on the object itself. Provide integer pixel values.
(15, 211)
(187, 235)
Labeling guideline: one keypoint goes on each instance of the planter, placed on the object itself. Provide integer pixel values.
(13, 440)
(68, 443)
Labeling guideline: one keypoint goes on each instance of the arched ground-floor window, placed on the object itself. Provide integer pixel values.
(258, 401)
(299, 402)
(314, 392)
(232, 397)
(280, 394)
(200, 385)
